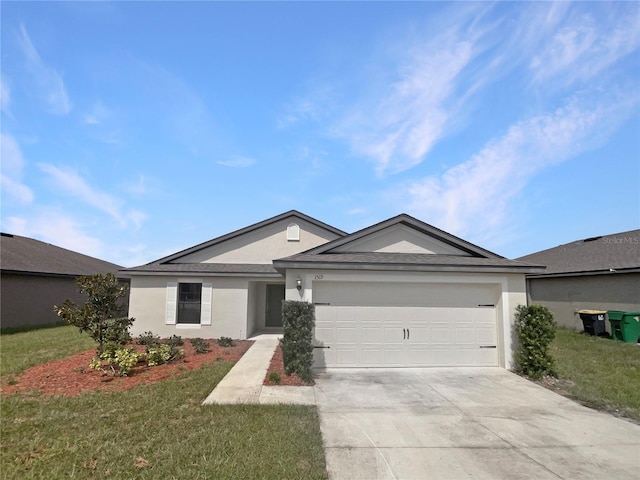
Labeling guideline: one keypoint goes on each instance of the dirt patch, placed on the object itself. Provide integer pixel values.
(72, 376)
(277, 365)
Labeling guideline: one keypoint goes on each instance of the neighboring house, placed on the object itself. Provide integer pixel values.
(598, 273)
(399, 293)
(36, 275)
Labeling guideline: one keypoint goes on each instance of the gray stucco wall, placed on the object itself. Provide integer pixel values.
(28, 300)
(564, 296)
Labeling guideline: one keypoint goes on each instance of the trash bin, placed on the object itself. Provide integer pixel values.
(625, 326)
(593, 321)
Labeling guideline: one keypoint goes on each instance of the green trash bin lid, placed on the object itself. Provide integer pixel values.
(615, 314)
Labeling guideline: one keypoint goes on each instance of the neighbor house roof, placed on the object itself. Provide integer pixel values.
(29, 256)
(618, 252)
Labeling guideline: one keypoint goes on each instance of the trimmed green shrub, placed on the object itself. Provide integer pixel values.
(535, 330)
(174, 341)
(148, 339)
(200, 345)
(226, 342)
(120, 360)
(163, 354)
(298, 320)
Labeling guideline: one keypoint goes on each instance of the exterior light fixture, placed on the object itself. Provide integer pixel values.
(299, 283)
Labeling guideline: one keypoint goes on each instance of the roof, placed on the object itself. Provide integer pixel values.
(405, 262)
(250, 228)
(29, 256)
(253, 269)
(615, 253)
(408, 220)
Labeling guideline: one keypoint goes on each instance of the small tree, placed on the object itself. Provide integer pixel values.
(535, 330)
(298, 319)
(104, 314)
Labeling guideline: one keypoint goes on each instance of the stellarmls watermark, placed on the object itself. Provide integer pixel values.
(620, 240)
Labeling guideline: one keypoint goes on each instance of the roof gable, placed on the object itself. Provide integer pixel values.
(27, 255)
(258, 243)
(403, 234)
(608, 253)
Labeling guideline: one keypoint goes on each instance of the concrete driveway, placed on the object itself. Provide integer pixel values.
(457, 423)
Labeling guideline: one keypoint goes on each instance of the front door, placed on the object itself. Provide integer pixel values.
(273, 315)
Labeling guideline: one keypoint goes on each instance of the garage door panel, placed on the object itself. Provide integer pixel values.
(406, 325)
(465, 335)
(346, 335)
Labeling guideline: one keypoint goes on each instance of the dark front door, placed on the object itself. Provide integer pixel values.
(275, 296)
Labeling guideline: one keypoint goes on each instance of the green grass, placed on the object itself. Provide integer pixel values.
(22, 349)
(598, 372)
(152, 431)
(102, 434)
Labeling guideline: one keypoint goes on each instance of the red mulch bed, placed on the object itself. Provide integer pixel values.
(72, 375)
(277, 365)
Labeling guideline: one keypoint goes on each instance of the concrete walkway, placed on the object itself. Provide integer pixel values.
(243, 383)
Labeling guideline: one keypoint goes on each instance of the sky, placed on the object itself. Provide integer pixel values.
(133, 130)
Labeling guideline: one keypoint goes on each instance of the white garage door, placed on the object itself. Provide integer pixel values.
(405, 325)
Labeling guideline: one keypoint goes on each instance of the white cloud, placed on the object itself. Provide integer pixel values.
(11, 169)
(136, 217)
(586, 46)
(476, 197)
(403, 122)
(69, 182)
(237, 162)
(97, 114)
(5, 95)
(57, 228)
(50, 85)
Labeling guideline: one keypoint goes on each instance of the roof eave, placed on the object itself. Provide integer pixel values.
(174, 273)
(585, 273)
(283, 265)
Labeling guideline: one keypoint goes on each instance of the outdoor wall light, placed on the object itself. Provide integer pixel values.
(299, 283)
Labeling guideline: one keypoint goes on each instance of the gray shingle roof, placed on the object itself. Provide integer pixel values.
(242, 231)
(211, 268)
(27, 255)
(414, 223)
(618, 251)
(405, 261)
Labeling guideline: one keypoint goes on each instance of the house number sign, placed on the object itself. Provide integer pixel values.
(318, 276)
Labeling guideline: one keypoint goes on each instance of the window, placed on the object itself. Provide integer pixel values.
(293, 232)
(189, 302)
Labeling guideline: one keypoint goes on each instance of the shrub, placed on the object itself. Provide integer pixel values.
(274, 378)
(103, 315)
(226, 342)
(200, 345)
(174, 341)
(297, 343)
(163, 354)
(535, 330)
(120, 360)
(148, 339)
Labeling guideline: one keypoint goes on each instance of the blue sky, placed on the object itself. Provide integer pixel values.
(133, 130)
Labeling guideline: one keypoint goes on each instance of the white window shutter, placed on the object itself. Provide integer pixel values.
(206, 300)
(172, 303)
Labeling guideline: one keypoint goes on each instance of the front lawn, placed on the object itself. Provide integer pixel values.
(598, 372)
(158, 431)
(20, 350)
